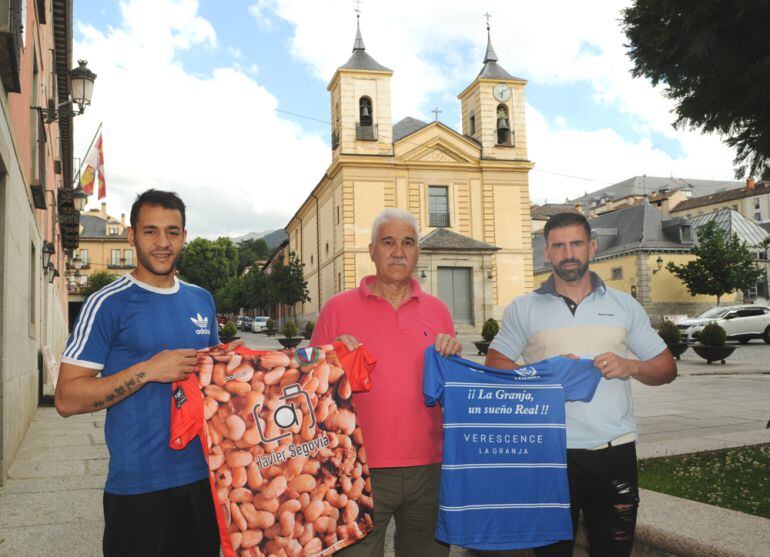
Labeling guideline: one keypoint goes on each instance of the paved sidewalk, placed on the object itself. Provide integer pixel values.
(51, 501)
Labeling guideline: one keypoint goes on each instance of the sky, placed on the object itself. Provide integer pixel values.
(225, 102)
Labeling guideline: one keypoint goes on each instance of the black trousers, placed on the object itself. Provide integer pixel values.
(176, 522)
(605, 486)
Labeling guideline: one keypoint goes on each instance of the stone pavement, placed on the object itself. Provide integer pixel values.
(51, 501)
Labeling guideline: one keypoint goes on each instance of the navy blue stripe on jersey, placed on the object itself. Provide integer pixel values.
(504, 471)
(88, 314)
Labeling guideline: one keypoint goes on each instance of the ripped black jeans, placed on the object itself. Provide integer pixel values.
(604, 485)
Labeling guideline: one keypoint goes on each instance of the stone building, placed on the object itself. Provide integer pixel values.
(469, 191)
(37, 217)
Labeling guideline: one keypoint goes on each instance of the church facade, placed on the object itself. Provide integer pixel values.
(469, 191)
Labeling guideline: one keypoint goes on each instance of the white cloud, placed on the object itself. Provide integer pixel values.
(216, 139)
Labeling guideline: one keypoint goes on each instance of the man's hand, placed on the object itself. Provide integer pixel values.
(350, 342)
(171, 365)
(612, 366)
(447, 345)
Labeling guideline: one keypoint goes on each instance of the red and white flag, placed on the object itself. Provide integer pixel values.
(93, 165)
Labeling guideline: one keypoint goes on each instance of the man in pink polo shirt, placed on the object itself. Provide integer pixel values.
(396, 321)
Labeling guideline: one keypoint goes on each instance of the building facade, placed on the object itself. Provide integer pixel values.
(103, 247)
(468, 190)
(37, 216)
(752, 201)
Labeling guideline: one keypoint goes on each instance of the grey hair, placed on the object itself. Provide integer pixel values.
(394, 214)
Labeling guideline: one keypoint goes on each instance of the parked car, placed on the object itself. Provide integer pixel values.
(246, 324)
(259, 323)
(239, 321)
(740, 322)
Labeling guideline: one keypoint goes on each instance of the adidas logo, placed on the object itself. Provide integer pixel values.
(202, 323)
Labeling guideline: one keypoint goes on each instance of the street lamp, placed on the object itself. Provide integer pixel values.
(48, 250)
(81, 89)
(76, 264)
(659, 262)
(52, 273)
(79, 198)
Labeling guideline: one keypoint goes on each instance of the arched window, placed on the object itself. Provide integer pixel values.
(503, 125)
(472, 125)
(365, 111)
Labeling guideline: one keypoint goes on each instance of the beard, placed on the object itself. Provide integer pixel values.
(157, 269)
(573, 274)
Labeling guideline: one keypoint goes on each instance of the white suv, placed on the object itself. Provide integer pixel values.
(741, 323)
(259, 324)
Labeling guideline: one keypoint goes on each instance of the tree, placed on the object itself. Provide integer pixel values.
(288, 282)
(723, 264)
(250, 251)
(228, 297)
(209, 264)
(257, 291)
(713, 57)
(97, 281)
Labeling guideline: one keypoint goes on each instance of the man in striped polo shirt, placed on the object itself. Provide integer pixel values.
(131, 340)
(575, 313)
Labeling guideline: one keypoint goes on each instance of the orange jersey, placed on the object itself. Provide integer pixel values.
(287, 461)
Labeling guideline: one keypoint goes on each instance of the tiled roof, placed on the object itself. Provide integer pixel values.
(722, 197)
(645, 185)
(407, 126)
(444, 239)
(96, 227)
(545, 212)
(733, 222)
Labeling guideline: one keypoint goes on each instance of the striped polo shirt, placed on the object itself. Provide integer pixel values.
(541, 324)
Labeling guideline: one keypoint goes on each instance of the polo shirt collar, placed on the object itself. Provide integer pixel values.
(365, 289)
(549, 286)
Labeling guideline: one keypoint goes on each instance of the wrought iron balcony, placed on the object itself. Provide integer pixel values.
(11, 28)
(439, 219)
(366, 132)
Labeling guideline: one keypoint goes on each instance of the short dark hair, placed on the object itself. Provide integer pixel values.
(562, 220)
(157, 198)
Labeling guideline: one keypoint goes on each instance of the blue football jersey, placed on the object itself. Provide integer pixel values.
(125, 323)
(504, 472)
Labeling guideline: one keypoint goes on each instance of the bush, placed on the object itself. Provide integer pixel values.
(669, 333)
(290, 329)
(229, 330)
(490, 329)
(270, 325)
(309, 326)
(712, 335)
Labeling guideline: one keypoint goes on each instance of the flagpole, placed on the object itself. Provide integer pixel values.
(88, 151)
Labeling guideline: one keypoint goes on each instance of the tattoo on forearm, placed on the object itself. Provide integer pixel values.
(121, 390)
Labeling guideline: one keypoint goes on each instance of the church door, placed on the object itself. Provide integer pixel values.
(454, 288)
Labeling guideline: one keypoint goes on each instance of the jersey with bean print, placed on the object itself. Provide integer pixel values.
(504, 474)
(286, 456)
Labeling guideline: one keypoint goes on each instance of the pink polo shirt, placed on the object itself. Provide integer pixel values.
(399, 430)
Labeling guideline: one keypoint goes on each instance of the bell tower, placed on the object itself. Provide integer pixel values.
(493, 110)
(360, 105)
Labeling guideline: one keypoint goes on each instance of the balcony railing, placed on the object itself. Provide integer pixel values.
(10, 44)
(439, 219)
(366, 132)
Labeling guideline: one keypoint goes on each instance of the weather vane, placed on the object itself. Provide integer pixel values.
(487, 15)
(357, 9)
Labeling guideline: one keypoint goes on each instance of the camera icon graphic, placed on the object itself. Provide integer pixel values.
(285, 416)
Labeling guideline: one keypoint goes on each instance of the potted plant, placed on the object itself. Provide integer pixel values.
(711, 344)
(309, 326)
(270, 329)
(290, 331)
(228, 333)
(488, 332)
(672, 336)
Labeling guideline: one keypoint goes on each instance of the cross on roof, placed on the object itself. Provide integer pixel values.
(436, 111)
(357, 9)
(487, 15)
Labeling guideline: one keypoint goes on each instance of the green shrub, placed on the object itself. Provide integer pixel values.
(229, 330)
(270, 325)
(669, 332)
(309, 326)
(290, 329)
(490, 329)
(712, 335)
